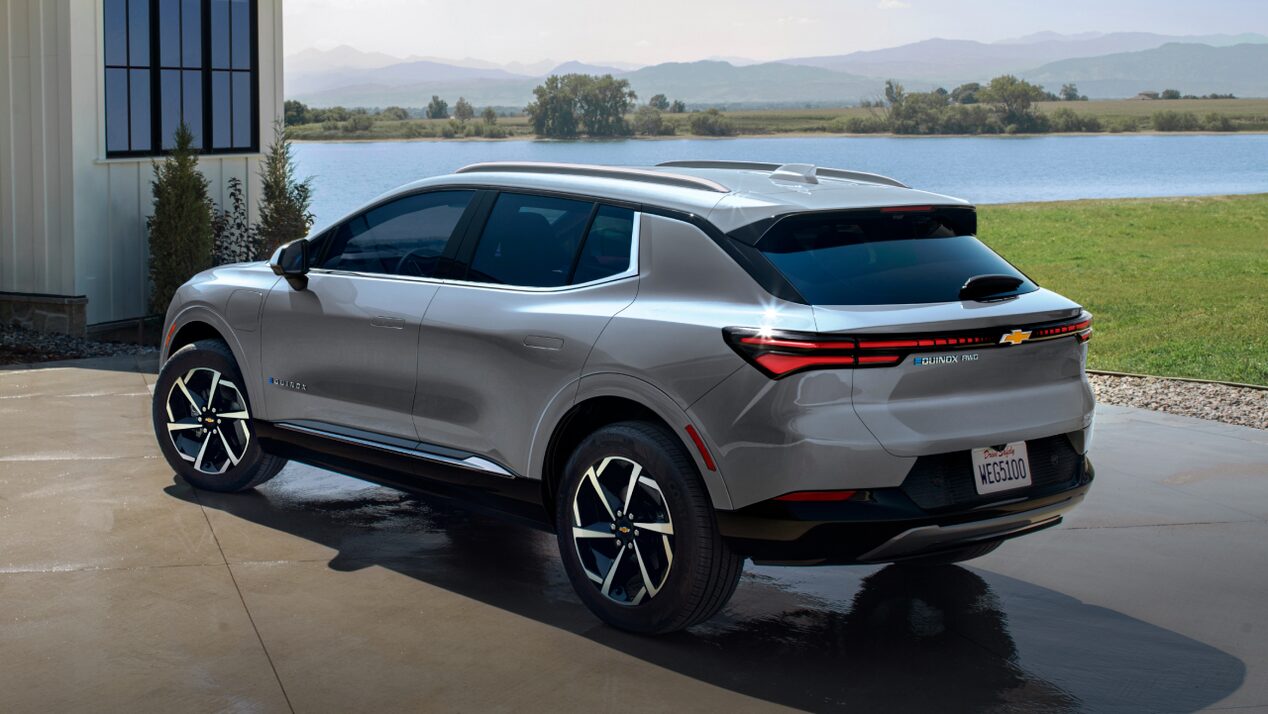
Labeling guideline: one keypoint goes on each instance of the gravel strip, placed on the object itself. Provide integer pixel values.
(19, 346)
(1217, 402)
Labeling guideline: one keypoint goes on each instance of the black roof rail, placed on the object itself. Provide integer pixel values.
(615, 172)
(764, 166)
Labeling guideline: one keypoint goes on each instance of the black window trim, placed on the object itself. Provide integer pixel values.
(155, 68)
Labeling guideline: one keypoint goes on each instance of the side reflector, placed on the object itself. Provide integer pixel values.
(816, 496)
(704, 452)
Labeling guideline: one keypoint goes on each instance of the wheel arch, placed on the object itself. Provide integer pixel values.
(196, 323)
(606, 399)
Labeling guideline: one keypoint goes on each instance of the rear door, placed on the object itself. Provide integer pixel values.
(343, 352)
(943, 374)
(543, 277)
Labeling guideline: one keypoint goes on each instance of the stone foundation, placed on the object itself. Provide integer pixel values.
(64, 314)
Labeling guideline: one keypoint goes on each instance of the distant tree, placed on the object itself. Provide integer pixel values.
(966, 93)
(1014, 100)
(285, 199)
(1175, 121)
(1070, 93)
(295, 112)
(1169, 94)
(357, 123)
(394, 114)
(462, 111)
(603, 103)
(678, 107)
(659, 102)
(437, 108)
(711, 123)
(180, 230)
(649, 122)
(489, 116)
(554, 111)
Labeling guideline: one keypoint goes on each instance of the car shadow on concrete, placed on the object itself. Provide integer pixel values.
(874, 639)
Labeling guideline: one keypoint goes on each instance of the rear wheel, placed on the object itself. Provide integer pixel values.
(637, 532)
(203, 421)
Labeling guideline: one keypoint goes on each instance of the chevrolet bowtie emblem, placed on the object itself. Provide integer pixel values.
(624, 529)
(1016, 337)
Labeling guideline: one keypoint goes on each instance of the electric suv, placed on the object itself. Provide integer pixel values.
(672, 368)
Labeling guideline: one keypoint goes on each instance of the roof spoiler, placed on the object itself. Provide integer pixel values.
(614, 172)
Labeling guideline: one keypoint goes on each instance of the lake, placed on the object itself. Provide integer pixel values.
(979, 169)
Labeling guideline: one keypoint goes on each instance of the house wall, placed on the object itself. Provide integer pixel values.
(71, 221)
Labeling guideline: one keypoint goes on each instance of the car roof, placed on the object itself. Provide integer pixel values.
(728, 194)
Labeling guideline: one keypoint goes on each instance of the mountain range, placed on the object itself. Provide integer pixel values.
(1104, 65)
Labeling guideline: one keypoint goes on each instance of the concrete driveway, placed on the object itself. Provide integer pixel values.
(122, 589)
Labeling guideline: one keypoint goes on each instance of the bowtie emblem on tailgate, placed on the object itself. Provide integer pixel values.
(1016, 337)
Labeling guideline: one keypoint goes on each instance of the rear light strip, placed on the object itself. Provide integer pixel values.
(781, 353)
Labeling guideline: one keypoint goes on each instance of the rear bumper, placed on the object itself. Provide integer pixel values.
(886, 525)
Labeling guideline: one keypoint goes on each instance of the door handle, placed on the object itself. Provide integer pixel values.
(391, 323)
(541, 342)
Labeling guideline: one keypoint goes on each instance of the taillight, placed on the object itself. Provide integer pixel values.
(779, 353)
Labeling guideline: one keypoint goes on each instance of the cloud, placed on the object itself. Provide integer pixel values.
(893, 5)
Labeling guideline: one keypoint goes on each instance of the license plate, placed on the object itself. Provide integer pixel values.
(1003, 469)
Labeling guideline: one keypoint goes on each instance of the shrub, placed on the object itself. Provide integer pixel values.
(394, 114)
(330, 125)
(357, 123)
(711, 123)
(1068, 120)
(858, 125)
(415, 130)
(180, 229)
(284, 200)
(235, 240)
(1175, 121)
(1121, 124)
(649, 122)
(1218, 122)
(447, 131)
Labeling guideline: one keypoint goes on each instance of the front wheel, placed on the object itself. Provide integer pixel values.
(637, 532)
(203, 421)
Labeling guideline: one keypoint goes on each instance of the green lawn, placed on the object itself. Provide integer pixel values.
(1179, 287)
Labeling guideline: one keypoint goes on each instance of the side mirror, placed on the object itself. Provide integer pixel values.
(291, 262)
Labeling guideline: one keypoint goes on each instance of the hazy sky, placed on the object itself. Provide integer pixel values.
(649, 31)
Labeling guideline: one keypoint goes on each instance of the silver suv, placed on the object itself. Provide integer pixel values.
(672, 368)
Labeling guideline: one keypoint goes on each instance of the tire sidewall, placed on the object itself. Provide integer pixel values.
(672, 475)
(215, 356)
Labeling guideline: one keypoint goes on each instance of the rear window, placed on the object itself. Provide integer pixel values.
(882, 258)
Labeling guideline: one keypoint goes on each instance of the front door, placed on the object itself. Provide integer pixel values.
(343, 352)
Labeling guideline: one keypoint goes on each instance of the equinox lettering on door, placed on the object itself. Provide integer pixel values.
(288, 384)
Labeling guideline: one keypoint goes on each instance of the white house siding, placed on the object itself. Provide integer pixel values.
(71, 221)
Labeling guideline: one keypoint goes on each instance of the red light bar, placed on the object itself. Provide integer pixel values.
(781, 364)
(906, 209)
(797, 344)
(816, 496)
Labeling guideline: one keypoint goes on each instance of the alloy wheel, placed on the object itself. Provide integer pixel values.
(622, 530)
(208, 421)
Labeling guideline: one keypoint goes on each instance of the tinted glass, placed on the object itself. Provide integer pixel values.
(240, 34)
(530, 241)
(116, 110)
(191, 33)
(192, 104)
(139, 33)
(405, 237)
(873, 258)
(170, 33)
(170, 91)
(221, 128)
(116, 31)
(606, 251)
(220, 34)
(139, 108)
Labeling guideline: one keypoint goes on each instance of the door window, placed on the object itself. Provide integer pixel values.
(407, 236)
(607, 248)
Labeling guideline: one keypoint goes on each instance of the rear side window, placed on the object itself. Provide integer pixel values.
(881, 258)
(546, 242)
(407, 236)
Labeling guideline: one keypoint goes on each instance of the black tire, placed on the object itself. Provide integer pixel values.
(698, 574)
(959, 555)
(198, 363)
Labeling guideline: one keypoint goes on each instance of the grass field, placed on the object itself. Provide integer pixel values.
(1247, 115)
(1179, 286)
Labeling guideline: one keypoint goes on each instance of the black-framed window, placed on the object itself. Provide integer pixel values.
(169, 61)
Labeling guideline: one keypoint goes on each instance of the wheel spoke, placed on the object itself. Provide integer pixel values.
(183, 424)
(235, 415)
(180, 384)
(594, 481)
(642, 568)
(578, 532)
(211, 393)
(662, 528)
(232, 459)
(629, 489)
(607, 581)
(198, 460)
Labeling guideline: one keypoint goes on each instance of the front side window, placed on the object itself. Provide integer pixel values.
(546, 242)
(408, 236)
(169, 61)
